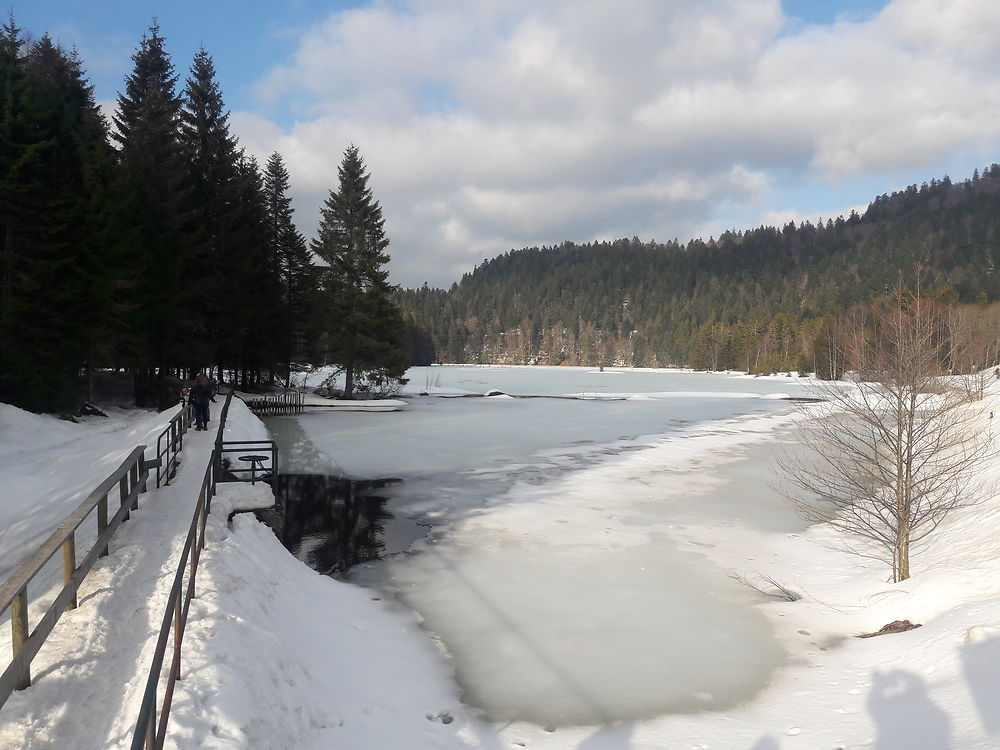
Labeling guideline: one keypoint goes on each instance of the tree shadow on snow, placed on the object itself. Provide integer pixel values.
(905, 716)
(981, 665)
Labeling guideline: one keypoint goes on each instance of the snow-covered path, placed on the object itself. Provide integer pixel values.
(89, 677)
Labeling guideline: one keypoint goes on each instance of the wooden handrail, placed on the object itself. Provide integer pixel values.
(131, 479)
(29, 567)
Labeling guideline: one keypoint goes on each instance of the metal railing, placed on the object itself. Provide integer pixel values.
(131, 479)
(170, 443)
(151, 728)
(149, 732)
(245, 449)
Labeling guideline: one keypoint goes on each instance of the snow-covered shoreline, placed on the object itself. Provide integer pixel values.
(931, 687)
(279, 656)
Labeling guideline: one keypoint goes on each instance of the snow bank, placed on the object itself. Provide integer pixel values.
(280, 656)
(936, 684)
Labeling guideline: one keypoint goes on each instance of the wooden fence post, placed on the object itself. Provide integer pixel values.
(134, 474)
(123, 493)
(69, 567)
(102, 520)
(19, 633)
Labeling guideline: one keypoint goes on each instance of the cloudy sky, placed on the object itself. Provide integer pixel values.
(498, 124)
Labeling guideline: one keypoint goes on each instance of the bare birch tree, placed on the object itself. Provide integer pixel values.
(890, 457)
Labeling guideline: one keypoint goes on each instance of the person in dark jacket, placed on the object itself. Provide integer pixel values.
(201, 394)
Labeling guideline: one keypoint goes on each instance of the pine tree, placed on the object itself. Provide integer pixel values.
(364, 325)
(211, 276)
(25, 259)
(55, 161)
(262, 336)
(289, 249)
(154, 227)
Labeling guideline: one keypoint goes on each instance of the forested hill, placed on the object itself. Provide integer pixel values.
(752, 300)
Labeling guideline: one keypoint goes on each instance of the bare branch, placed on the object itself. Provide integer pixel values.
(889, 458)
(768, 587)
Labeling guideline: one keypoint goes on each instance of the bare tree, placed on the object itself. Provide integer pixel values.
(890, 457)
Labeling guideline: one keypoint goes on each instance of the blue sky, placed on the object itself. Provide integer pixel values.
(498, 124)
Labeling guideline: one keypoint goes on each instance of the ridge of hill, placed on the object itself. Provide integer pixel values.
(752, 300)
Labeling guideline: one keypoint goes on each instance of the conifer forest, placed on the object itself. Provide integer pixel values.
(764, 300)
(152, 244)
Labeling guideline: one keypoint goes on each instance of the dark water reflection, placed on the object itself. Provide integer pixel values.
(332, 523)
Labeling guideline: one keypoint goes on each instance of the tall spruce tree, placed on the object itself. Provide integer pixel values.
(211, 277)
(262, 336)
(155, 228)
(54, 161)
(363, 324)
(289, 249)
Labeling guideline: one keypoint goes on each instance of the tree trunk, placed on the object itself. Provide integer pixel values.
(349, 381)
(902, 571)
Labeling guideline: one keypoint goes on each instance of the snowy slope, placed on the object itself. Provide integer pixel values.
(48, 466)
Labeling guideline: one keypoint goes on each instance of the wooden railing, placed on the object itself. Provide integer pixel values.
(130, 478)
(273, 404)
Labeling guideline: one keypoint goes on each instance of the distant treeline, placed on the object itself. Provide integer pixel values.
(154, 245)
(761, 300)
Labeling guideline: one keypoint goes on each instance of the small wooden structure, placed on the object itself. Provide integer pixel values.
(275, 404)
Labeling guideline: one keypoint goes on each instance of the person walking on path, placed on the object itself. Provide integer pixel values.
(201, 394)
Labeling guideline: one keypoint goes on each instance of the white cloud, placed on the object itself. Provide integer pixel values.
(501, 124)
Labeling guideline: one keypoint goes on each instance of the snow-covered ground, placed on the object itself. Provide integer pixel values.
(277, 656)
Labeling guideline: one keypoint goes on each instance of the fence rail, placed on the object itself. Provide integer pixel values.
(150, 733)
(170, 443)
(131, 479)
(245, 448)
(151, 728)
(273, 404)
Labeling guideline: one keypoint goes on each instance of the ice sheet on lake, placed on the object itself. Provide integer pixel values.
(577, 602)
(562, 588)
(559, 631)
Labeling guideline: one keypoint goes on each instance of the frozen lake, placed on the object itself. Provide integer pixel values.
(566, 573)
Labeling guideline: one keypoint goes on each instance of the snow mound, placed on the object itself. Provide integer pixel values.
(23, 431)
